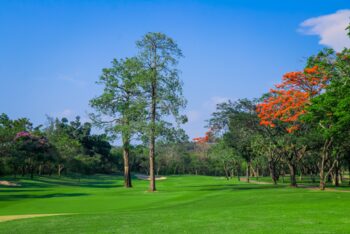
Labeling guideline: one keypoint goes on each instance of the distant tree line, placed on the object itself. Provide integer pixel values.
(300, 128)
(60, 147)
(64, 147)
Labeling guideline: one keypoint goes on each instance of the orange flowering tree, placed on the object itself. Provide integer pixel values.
(284, 106)
(202, 145)
(288, 101)
(202, 140)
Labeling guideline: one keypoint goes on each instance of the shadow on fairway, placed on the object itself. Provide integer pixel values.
(47, 183)
(235, 187)
(9, 197)
(5, 190)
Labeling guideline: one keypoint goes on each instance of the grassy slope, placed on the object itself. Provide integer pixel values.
(184, 204)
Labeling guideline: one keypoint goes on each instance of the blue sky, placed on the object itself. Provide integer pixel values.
(52, 52)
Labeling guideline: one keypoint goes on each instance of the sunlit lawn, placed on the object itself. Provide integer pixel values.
(183, 204)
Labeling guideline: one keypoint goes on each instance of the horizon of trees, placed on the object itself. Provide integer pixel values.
(299, 128)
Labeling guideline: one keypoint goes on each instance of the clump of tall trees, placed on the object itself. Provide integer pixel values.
(301, 127)
(140, 94)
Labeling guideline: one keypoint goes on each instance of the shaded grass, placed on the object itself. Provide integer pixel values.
(183, 204)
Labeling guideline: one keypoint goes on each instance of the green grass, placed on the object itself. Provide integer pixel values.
(183, 204)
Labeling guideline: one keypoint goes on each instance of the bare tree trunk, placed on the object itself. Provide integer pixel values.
(40, 169)
(60, 168)
(227, 176)
(152, 185)
(127, 174)
(341, 172)
(31, 172)
(336, 182)
(238, 170)
(349, 170)
(247, 172)
(324, 158)
(292, 168)
(322, 180)
(272, 168)
(23, 171)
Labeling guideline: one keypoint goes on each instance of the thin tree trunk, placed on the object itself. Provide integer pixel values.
(272, 168)
(40, 169)
(23, 171)
(292, 168)
(322, 180)
(127, 174)
(226, 173)
(349, 170)
(60, 168)
(247, 172)
(31, 172)
(336, 182)
(152, 185)
(324, 158)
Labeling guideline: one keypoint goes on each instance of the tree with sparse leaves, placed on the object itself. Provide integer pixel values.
(159, 56)
(121, 107)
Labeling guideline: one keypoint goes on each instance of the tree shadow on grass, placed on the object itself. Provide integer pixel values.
(235, 187)
(20, 190)
(48, 183)
(8, 197)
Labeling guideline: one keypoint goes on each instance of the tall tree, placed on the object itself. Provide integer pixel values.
(238, 122)
(60, 135)
(121, 106)
(330, 111)
(284, 107)
(159, 55)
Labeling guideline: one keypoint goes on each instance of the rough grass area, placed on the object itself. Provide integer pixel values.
(183, 204)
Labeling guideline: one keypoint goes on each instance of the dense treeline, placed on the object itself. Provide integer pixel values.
(301, 127)
(69, 147)
(61, 146)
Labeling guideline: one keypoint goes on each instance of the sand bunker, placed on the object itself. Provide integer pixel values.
(15, 217)
(8, 183)
(146, 177)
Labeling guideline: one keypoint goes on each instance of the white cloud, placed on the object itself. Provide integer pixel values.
(213, 101)
(330, 28)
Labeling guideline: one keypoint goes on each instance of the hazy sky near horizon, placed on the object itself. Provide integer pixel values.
(52, 52)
